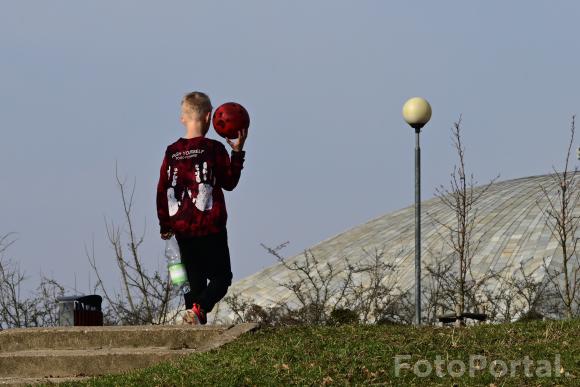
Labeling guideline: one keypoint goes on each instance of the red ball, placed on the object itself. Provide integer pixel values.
(229, 119)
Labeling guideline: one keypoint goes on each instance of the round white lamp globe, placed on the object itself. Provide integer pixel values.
(417, 112)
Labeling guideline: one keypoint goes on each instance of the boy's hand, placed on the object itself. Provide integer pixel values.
(239, 144)
(166, 235)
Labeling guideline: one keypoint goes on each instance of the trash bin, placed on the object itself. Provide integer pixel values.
(80, 310)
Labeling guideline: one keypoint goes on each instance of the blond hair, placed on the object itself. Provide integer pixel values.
(197, 103)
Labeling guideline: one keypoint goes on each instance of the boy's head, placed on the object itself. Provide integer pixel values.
(196, 107)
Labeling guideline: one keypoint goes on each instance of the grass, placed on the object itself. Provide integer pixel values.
(364, 355)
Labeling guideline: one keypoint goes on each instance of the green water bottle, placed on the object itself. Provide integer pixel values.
(177, 273)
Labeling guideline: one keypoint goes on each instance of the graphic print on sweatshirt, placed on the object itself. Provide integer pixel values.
(206, 181)
(202, 183)
(172, 201)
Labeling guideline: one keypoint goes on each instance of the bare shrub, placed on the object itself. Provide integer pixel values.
(246, 310)
(447, 291)
(522, 294)
(457, 286)
(374, 293)
(365, 292)
(240, 307)
(46, 304)
(317, 286)
(21, 309)
(562, 197)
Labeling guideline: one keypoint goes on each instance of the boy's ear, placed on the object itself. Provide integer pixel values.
(207, 116)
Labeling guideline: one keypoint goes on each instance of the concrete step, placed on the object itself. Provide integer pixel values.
(25, 382)
(29, 356)
(175, 337)
(63, 363)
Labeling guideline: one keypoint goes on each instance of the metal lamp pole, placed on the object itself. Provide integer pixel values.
(417, 113)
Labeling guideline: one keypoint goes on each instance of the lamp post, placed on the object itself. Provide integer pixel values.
(417, 112)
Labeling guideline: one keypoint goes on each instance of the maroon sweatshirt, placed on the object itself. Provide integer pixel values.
(190, 200)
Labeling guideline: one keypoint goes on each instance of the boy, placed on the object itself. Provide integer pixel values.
(191, 205)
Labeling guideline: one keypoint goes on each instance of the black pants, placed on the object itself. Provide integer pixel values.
(206, 258)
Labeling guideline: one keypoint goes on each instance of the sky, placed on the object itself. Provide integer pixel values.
(85, 86)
